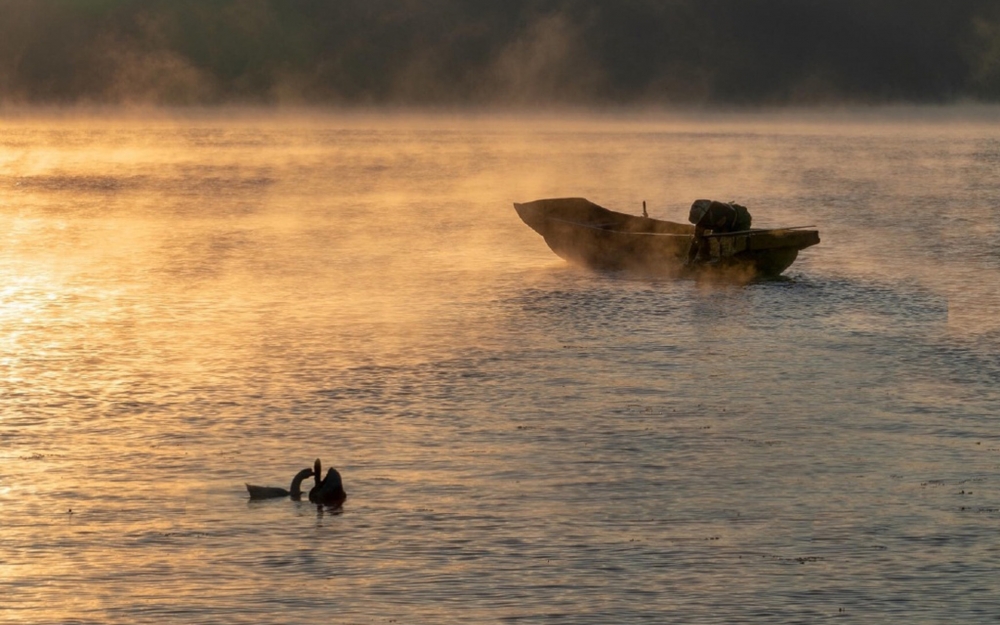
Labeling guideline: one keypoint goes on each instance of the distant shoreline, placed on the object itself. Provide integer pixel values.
(884, 118)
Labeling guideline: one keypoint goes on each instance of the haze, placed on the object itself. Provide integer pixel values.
(516, 53)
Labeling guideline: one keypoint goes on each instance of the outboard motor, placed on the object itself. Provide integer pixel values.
(719, 216)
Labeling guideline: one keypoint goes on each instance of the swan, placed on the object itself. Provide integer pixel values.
(269, 492)
(329, 491)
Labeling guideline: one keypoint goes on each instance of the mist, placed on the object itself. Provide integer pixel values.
(523, 53)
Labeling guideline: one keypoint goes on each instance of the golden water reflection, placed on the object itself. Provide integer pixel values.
(188, 305)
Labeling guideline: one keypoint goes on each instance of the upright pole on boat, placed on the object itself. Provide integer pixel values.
(644, 213)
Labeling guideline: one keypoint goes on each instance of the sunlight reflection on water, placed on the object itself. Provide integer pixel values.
(188, 306)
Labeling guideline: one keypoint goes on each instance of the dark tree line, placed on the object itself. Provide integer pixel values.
(515, 52)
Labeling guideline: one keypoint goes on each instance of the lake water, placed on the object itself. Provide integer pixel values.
(188, 304)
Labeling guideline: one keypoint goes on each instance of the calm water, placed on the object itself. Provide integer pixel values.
(188, 305)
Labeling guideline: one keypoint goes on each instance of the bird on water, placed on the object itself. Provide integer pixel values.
(330, 490)
(270, 492)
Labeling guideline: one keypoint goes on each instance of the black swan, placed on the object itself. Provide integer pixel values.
(329, 491)
(269, 492)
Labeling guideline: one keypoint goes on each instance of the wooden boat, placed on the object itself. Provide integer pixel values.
(584, 233)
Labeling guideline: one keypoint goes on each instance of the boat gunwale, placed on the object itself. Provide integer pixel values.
(603, 228)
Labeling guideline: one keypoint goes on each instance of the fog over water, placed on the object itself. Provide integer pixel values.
(196, 301)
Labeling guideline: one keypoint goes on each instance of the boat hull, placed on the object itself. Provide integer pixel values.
(586, 234)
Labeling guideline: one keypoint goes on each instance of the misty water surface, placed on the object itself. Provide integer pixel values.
(190, 304)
